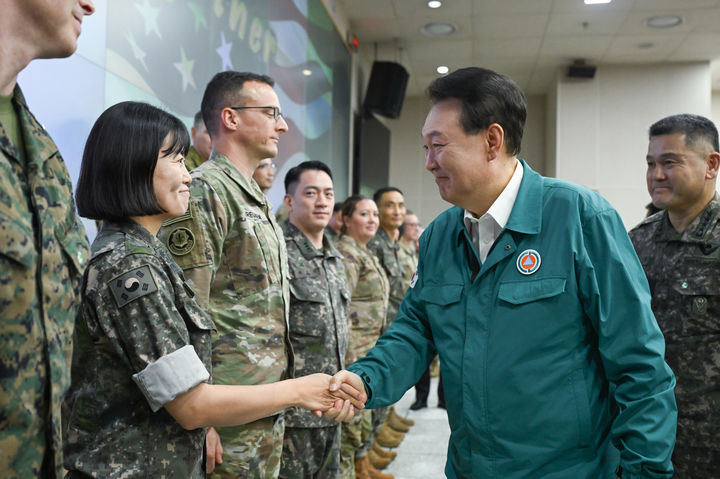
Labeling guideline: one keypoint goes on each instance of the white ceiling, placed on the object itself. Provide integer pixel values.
(530, 40)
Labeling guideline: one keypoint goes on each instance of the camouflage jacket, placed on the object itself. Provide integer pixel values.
(233, 252)
(136, 315)
(192, 159)
(318, 313)
(388, 252)
(369, 290)
(683, 270)
(43, 251)
(408, 258)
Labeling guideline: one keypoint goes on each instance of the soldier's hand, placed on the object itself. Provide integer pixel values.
(213, 449)
(347, 385)
(342, 411)
(313, 393)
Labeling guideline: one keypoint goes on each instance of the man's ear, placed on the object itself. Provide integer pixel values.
(229, 119)
(495, 138)
(287, 199)
(713, 163)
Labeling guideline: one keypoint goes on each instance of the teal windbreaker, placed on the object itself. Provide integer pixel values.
(552, 361)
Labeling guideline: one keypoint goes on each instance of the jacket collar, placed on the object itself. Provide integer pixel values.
(307, 249)
(249, 186)
(697, 229)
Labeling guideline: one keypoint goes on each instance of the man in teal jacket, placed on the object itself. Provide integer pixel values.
(530, 291)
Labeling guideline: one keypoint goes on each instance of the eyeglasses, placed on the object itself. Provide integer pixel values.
(275, 110)
(266, 165)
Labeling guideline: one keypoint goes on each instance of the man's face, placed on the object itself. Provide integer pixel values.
(677, 173)
(53, 26)
(202, 142)
(259, 133)
(311, 202)
(392, 210)
(412, 227)
(459, 162)
(264, 174)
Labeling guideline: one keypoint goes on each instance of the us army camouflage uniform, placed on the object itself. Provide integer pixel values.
(193, 159)
(141, 340)
(43, 250)
(319, 335)
(369, 290)
(233, 251)
(408, 258)
(684, 275)
(389, 255)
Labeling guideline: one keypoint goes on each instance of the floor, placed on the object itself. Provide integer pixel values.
(423, 452)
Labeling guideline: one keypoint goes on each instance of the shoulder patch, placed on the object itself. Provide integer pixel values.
(180, 240)
(132, 285)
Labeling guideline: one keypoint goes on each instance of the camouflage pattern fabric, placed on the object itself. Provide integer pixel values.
(318, 314)
(311, 452)
(408, 258)
(43, 251)
(684, 275)
(193, 159)
(369, 291)
(136, 309)
(389, 255)
(352, 437)
(233, 252)
(254, 454)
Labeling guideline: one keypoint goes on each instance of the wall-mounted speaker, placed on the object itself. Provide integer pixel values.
(581, 71)
(386, 89)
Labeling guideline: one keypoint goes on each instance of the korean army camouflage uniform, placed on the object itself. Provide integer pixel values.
(233, 252)
(684, 275)
(319, 335)
(192, 159)
(43, 250)
(140, 341)
(369, 291)
(390, 257)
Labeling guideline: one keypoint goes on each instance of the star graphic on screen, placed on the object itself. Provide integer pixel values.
(150, 15)
(185, 68)
(224, 52)
(218, 8)
(199, 14)
(137, 52)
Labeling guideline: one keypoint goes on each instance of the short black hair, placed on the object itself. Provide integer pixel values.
(377, 196)
(486, 97)
(695, 127)
(224, 90)
(198, 122)
(292, 177)
(338, 206)
(118, 164)
(349, 207)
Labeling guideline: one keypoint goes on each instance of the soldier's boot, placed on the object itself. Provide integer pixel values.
(361, 468)
(386, 437)
(403, 420)
(378, 461)
(383, 452)
(375, 474)
(393, 421)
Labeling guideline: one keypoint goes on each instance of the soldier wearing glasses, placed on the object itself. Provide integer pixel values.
(233, 251)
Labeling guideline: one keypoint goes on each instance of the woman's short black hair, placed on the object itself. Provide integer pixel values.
(118, 164)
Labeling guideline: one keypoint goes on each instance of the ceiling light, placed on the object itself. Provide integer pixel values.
(438, 29)
(663, 21)
(442, 69)
(307, 72)
(434, 4)
(595, 2)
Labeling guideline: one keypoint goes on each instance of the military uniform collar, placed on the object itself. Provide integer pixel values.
(35, 152)
(698, 228)
(384, 238)
(250, 187)
(307, 249)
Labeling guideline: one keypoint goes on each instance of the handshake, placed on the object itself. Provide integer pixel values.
(334, 397)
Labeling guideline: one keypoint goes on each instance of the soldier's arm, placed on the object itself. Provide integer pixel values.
(352, 271)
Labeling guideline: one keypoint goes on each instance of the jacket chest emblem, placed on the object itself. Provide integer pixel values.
(528, 261)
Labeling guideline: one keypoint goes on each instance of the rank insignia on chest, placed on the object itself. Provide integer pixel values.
(528, 261)
(132, 285)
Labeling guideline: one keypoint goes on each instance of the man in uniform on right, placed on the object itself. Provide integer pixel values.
(202, 145)
(678, 248)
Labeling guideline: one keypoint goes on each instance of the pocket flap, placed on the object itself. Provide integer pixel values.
(520, 292)
(442, 295)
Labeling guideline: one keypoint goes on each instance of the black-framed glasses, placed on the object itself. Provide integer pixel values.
(276, 113)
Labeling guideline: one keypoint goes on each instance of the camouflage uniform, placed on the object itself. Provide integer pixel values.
(389, 255)
(408, 258)
(141, 340)
(319, 336)
(684, 275)
(232, 250)
(369, 290)
(43, 250)
(193, 159)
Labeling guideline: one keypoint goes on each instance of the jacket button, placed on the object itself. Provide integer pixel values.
(507, 247)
